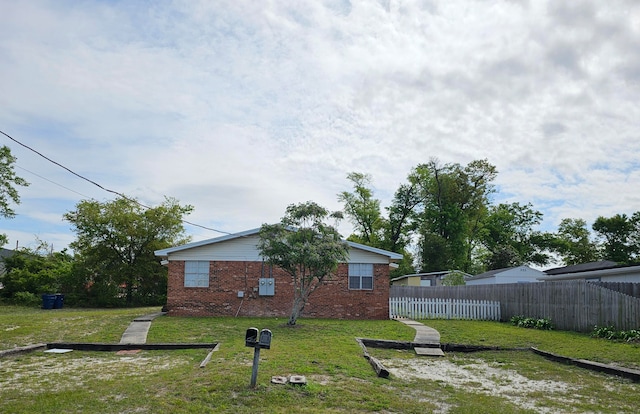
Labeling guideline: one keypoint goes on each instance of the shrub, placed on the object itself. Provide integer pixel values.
(532, 323)
(26, 299)
(610, 333)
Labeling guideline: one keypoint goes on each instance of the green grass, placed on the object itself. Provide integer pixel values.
(20, 326)
(570, 344)
(340, 380)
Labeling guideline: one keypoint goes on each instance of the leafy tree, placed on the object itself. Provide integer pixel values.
(402, 217)
(35, 271)
(305, 247)
(509, 236)
(371, 228)
(573, 242)
(454, 200)
(453, 278)
(8, 182)
(362, 210)
(115, 244)
(618, 234)
(634, 238)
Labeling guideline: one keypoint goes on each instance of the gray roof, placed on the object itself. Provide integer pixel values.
(252, 232)
(439, 273)
(491, 273)
(6, 252)
(583, 267)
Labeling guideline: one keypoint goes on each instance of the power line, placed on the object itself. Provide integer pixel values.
(98, 185)
(53, 182)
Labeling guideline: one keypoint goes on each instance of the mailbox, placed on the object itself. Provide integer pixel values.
(251, 337)
(265, 339)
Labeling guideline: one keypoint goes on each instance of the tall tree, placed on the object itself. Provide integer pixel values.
(8, 182)
(362, 210)
(371, 228)
(402, 217)
(116, 241)
(304, 246)
(573, 242)
(454, 200)
(617, 233)
(509, 235)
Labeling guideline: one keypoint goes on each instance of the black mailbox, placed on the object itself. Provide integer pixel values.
(251, 337)
(265, 339)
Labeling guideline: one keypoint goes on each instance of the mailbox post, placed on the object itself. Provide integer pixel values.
(257, 342)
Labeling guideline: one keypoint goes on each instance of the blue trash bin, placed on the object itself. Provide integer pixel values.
(48, 301)
(59, 301)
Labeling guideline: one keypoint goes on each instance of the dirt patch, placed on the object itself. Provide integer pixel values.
(481, 377)
(36, 373)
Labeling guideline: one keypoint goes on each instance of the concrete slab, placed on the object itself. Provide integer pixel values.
(137, 331)
(424, 334)
(429, 351)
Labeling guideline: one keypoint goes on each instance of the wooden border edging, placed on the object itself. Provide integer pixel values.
(632, 374)
(22, 350)
(80, 346)
(377, 365)
(387, 344)
(209, 355)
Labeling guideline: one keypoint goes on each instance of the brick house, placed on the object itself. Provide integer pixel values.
(226, 276)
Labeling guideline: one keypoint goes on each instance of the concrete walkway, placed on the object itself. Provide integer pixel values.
(426, 336)
(137, 331)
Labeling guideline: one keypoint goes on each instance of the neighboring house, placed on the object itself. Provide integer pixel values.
(425, 279)
(603, 271)
(227, 276)
(518, 274)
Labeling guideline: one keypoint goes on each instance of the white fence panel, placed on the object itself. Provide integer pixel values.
(435, 308)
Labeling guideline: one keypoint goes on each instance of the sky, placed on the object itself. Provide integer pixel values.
(240, 108)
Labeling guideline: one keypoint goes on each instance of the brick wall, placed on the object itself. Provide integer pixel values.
(331, 300)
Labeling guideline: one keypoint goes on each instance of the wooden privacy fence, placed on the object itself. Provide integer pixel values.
(436, 308)
(574, 305)
(631, 289)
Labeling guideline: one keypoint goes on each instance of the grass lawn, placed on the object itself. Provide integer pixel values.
(339, 379)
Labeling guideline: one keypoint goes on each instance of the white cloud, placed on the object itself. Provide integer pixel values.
(241, 108)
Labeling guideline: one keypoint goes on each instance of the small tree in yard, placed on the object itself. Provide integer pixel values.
(305, 247)
(454, 278)
(115, 243)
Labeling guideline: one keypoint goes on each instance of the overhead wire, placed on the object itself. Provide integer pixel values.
(52, 182)
(96, 184)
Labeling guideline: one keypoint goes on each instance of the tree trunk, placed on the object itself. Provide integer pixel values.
(296, 310)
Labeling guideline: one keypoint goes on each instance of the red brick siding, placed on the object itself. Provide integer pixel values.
(331, 300)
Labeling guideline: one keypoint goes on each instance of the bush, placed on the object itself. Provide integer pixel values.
(543, 324)
(26, 299)
(610, 333)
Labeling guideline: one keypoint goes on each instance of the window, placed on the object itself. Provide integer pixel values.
(361, 276)
(196, 273)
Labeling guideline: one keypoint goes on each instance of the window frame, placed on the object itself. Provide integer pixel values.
(360, 272)
(196, 277)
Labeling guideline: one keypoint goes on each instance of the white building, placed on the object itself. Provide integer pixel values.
(603, 271)
(518, 274)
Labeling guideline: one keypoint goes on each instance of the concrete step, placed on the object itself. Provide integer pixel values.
(429, 351)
